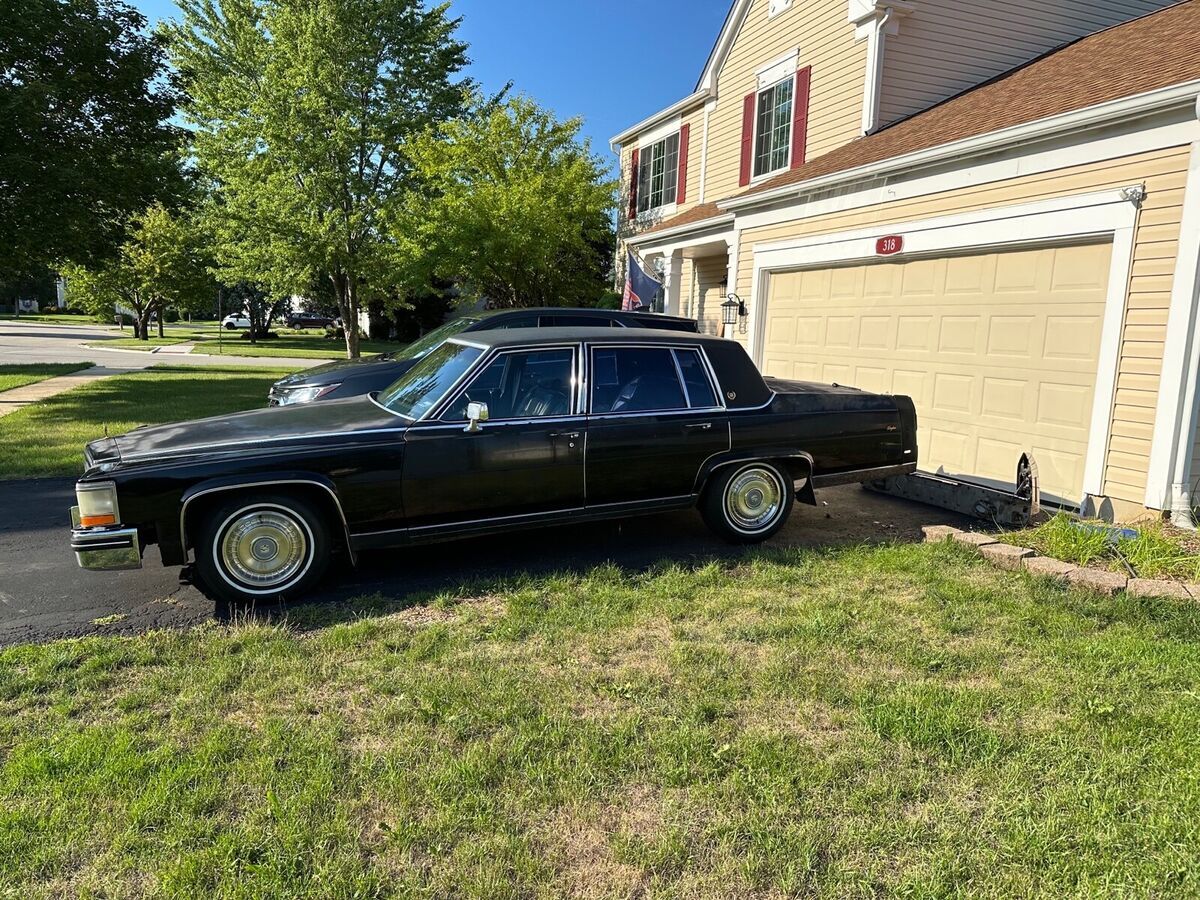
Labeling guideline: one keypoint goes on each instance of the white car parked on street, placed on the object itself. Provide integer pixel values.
(234, 322)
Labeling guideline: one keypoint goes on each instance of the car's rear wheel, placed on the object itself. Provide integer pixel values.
(747, 504)
(262, 547)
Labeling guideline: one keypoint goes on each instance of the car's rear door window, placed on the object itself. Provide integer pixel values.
(636, 379)
(695, 379)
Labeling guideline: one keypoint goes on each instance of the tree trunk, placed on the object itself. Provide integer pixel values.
(142, 325)
(347, 298)
(160, 324)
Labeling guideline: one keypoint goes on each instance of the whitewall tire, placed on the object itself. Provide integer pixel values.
(749, 502)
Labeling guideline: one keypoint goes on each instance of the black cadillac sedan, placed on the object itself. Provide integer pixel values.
(353, 377)
(490, 431)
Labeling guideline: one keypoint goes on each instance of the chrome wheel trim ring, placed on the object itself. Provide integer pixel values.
(264, 548)
(754, 499)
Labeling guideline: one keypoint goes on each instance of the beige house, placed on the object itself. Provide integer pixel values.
(993, 208)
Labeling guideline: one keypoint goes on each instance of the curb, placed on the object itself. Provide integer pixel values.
(1016, 559)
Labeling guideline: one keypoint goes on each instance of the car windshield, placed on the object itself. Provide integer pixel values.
(416, 391)
(421, 346)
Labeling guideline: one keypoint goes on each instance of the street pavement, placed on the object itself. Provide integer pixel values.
(27, 343)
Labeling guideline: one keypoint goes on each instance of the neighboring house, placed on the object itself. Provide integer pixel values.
(1020, 255)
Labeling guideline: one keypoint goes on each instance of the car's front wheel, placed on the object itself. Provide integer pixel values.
(265, 547)
(231, 326)
(748, 503)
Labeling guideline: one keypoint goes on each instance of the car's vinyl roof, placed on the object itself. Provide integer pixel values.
(510, 337)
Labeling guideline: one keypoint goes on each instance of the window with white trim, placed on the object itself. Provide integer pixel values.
(658, 174)
(773, 127)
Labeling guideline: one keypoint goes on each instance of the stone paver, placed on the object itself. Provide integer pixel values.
(1048, 567)
(1006, 556)
(974, 540)
(1147, 587)
(935, 534)
(1109, 583)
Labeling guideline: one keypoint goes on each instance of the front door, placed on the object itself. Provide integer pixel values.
(655, 418)
(526, 460)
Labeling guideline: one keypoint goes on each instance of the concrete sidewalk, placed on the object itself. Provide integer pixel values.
(11, 401)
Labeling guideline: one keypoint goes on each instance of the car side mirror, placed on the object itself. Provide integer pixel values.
(476, 413)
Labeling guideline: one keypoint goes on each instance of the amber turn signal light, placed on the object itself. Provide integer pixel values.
(94, 521)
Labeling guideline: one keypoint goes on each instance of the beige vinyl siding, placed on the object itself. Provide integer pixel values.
(947, 46)
(1164, 173)
(687, 284)
(822, 33)
(707, 295)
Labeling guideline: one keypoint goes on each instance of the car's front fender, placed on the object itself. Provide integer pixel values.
(244, 482)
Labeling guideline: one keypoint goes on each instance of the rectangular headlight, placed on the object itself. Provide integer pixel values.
(97, 504)
(288, 397)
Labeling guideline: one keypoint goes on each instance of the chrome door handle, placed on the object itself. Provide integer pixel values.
(564, 435)
(705, 426)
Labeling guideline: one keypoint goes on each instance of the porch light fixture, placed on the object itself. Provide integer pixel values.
(733, 309)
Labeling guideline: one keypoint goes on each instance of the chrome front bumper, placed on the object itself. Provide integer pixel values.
(105, 549)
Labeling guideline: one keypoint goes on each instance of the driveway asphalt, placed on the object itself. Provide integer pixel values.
(26, 343)
(44, 595)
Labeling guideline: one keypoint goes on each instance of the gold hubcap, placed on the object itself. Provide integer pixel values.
(753, 499)
(264, 549)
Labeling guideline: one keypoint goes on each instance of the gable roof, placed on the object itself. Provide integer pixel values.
(1156, 51)
(720, 51)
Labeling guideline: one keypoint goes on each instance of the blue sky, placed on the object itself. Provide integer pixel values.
(613, 62)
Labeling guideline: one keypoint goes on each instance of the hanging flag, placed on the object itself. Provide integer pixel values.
(641, 290)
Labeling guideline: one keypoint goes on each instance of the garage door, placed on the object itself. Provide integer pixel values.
(998, 350)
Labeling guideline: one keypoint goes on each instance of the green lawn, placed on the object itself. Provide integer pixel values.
(289, 344)
(298, 345)
(47, 438)
(891, 722)
(14, 376)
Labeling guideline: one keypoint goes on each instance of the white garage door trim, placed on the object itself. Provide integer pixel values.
(1064, 219)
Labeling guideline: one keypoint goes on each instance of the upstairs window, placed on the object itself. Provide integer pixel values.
(773, 128)
(658, 174)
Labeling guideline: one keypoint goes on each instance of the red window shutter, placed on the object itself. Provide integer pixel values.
(685, 134)
(747, 137)
(800, 117)
(633, 184)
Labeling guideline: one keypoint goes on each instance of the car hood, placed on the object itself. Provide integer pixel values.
(334, 372)
(293, 427)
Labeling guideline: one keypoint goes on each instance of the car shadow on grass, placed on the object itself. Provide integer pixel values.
(386, 583)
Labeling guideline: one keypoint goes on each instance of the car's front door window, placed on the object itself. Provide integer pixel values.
(521, 385)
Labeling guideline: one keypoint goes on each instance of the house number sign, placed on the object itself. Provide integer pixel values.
(889, 246)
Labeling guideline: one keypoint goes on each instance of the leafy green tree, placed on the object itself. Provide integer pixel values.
(84, 135)
(160, 265)
(258, 306)
(300, 110)
(519, 209)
